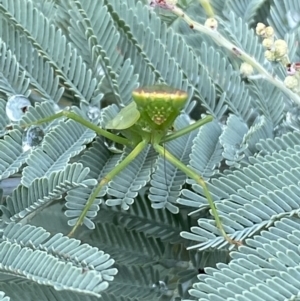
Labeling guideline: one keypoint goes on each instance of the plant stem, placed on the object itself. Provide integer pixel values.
(222, 41)
(207, 7)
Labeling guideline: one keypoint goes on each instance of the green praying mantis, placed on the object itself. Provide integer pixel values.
(148, 119)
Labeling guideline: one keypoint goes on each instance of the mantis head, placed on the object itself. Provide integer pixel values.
(155, 107)
(159, 103)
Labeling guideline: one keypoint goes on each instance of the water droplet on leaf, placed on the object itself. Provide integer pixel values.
(293, 18)
(32, 137)
(56, 108)
(16, 107)
(113, 147)
(160, 286)
(93, 113)
(293, 118)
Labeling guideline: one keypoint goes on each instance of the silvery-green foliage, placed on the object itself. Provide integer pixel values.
(149, 235)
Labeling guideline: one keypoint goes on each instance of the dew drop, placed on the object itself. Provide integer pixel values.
(16, 107)
(32, 137)
(56, 107)
(160, 286)
(113, 147)
(93, 113)
(293, 118)
(293, 18)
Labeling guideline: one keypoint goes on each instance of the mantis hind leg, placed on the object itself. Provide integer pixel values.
(131, 156)
(190, 173)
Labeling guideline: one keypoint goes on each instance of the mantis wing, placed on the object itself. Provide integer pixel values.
(127, 117)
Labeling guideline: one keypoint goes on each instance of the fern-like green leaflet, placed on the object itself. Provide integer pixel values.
(147, 120)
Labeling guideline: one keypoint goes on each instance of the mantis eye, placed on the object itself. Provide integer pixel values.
(159, 101)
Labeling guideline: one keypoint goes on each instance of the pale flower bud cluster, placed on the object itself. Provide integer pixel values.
(166, 4)
(292, 81)
(246, 69)
(260, 29)
(276, 49)
(264, 31)
(211, 23)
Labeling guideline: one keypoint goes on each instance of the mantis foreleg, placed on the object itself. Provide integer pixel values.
(84, 122)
